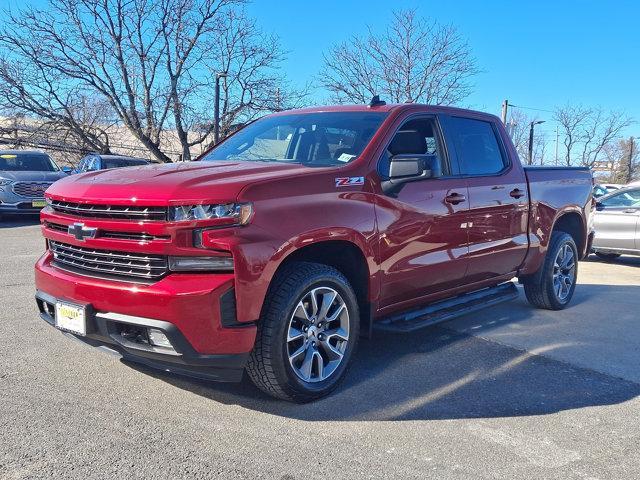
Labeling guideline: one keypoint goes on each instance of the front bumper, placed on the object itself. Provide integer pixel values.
(10, 202)
(187, 308)
(22, 206)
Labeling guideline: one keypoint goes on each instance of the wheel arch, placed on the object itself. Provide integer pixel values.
(345, 256)
(571, 222)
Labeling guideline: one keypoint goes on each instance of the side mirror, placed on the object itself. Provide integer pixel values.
(67, 170)
(405, 168)
(599, 206)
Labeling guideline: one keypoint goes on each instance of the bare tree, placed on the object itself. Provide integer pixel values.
(587, 131)
(81, 119)
(414, 60)
(600, 130)
(617, 156)
(151, 61)
(571, 119)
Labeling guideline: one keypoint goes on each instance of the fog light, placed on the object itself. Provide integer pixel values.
(158, 338)
(185, 264)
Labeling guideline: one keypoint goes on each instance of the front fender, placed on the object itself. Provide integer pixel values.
(283, 226)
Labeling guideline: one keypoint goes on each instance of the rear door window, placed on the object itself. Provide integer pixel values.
(478, 149)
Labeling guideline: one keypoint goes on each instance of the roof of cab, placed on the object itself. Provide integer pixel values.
(388, 107)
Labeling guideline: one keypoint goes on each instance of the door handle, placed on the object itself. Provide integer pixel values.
(630, 210)
(455, 198)
(517, 193)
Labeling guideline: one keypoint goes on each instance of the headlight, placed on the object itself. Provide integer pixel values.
(182, 264)
(236, 213)
(4, 182)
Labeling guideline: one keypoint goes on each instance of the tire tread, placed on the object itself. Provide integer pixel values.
(260, 364)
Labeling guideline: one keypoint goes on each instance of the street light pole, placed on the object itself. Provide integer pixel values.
(216, 108)
(630, 174)
(531, 125)
(505, 107)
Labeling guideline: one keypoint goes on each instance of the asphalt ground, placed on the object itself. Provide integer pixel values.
(509, 392)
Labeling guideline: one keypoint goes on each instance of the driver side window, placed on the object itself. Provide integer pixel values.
(630, 198)
(415, 137)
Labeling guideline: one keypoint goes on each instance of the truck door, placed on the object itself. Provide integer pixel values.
(423, 236)
(616, 221)
(498, 198)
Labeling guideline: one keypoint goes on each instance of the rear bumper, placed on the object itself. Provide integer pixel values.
(186, 307)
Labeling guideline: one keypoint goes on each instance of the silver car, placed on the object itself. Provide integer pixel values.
(617, 224)
(24, 176)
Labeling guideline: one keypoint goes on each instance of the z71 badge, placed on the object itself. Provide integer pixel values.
(349, 181)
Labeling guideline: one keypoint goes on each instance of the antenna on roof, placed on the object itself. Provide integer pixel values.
(376, 102)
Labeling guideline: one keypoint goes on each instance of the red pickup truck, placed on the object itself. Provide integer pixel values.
(301, 232)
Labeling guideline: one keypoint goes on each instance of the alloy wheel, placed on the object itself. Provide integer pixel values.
(564, 272)
(318, 334)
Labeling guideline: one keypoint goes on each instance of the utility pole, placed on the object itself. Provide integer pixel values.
(505, 107)
(557, 140)
(630, 160)
(216, 108)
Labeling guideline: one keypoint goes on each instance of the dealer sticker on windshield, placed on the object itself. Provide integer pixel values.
(349, 181)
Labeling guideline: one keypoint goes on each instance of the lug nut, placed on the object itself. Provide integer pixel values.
(313, 344)
(321, 336)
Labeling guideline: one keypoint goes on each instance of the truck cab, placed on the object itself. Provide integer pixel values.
(278, 248)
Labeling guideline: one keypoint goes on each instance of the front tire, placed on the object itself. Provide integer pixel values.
(553, 285)
(307, 333)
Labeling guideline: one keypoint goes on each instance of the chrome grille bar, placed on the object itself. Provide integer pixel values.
(125, 212)
(137, 236)
(121, 264)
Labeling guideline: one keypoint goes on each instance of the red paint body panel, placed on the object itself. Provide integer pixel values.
(417, 247)
(189, 301)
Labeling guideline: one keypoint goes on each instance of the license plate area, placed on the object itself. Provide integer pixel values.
(71, 318)
(38, 203)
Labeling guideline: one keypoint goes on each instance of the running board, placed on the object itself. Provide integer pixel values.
(448, 309)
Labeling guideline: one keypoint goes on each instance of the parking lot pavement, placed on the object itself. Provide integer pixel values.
(509, 392)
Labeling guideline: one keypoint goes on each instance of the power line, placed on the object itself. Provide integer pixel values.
(531, 108)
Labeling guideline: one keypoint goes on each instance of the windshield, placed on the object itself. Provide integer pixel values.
(122, 162)
(27, 162)
(314, 139)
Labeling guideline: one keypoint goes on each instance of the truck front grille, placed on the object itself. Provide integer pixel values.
(123, 212)
(30, 189)
(137, 236)
(121, 265)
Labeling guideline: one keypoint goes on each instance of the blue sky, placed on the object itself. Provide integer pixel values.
(537, 54)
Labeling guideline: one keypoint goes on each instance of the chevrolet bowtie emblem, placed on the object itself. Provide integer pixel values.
(80, 232)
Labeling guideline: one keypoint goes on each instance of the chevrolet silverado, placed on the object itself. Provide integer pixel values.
(303, 231)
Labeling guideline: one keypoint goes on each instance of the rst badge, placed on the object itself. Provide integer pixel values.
(349, 181)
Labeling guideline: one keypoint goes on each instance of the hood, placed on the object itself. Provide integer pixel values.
(31, 176)
(164, 184)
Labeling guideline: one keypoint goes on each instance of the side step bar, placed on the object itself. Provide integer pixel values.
(447, 309)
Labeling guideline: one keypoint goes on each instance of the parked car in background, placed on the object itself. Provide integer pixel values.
(95, 161)
(617, 220)
(601, 189)
(300, 230)
(24, 176)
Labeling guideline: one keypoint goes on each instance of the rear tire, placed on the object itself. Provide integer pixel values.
(553, 285)
(302, 352)
(607, 256)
